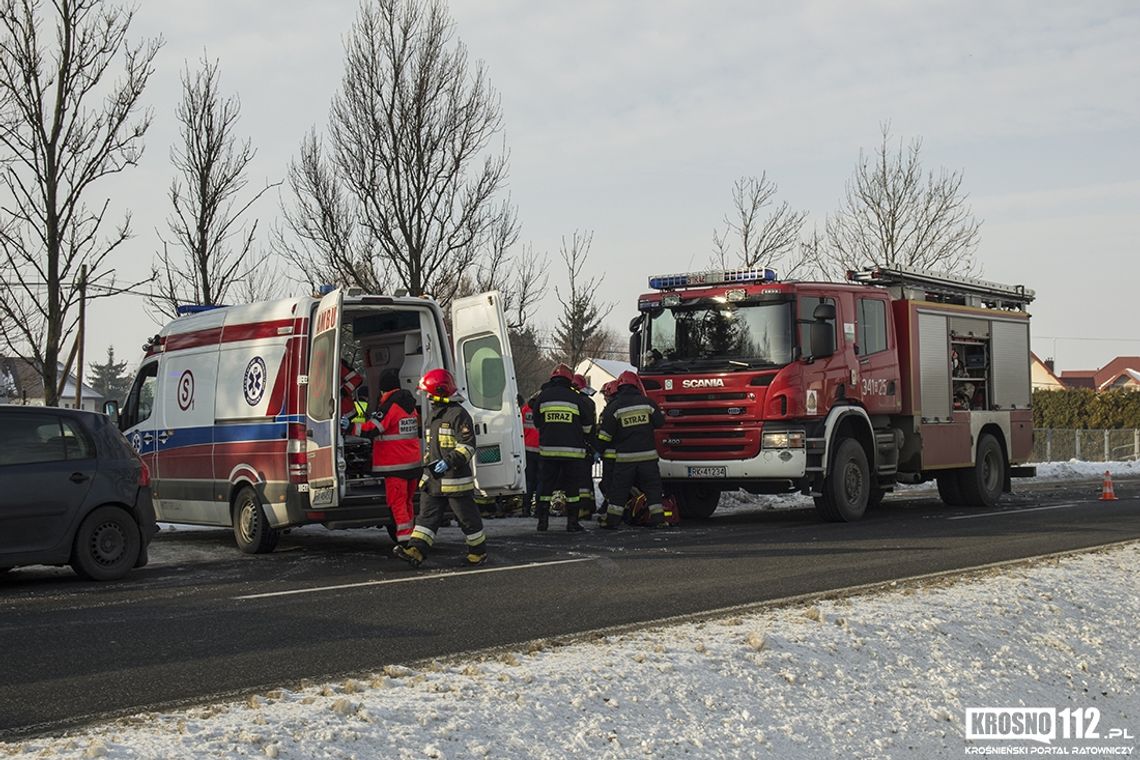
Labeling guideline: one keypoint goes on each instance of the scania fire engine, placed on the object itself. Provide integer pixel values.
(837, 390)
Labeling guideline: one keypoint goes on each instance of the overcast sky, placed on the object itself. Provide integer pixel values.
(632, 118)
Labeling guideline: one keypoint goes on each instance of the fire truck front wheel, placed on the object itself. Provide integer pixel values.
(699, 501)
(847, 487)
(251, 528)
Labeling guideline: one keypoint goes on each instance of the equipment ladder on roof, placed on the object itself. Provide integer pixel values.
(946, 288)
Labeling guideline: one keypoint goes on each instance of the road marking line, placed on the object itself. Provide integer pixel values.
(1015, 511)
(433, 576)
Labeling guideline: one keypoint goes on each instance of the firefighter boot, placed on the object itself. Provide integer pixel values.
(572, 524)
(410, 554)
(543, 512)
(475, 557)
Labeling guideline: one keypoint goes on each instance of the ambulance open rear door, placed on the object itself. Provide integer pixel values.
(323, 407)
(485, 373)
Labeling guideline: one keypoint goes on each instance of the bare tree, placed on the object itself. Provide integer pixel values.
(894, 214)
(759, 233)
(212, 246)
(407, 188)
(66, 122)
(580, 323)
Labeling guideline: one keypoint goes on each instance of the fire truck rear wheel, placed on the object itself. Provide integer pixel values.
(251, 528)
(982, 485)
(949, 489)
(698, 501)
(847, 488)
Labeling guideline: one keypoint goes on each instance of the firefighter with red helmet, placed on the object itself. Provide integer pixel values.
(530, 441)
(628, 424)
(449, 473)
(564, 420)
(586, 502)
(396, 453)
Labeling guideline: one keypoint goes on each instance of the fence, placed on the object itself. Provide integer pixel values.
(1058, 445)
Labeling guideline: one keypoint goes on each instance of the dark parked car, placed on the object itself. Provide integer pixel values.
(72, 491)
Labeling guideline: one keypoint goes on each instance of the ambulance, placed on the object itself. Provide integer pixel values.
(236, 410)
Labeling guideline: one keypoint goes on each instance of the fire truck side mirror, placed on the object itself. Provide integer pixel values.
(823, 331)
(635, 340)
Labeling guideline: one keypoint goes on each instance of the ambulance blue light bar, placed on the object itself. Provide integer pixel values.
(711, 277)
(186, 309)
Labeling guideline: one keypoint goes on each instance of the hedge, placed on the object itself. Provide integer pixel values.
(1086, 409)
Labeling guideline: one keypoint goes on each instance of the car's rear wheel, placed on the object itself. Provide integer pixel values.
(106, 545)
(252, 531)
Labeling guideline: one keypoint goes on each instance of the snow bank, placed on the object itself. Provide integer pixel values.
(885, 674)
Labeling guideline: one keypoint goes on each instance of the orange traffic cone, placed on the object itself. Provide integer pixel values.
(1107, 494)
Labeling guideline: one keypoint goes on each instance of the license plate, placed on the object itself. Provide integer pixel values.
(708, 472)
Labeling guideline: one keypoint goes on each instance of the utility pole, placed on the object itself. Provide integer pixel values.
(79, 337)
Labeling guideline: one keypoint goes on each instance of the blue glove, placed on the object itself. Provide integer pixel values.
(344, 424)
(439, 466)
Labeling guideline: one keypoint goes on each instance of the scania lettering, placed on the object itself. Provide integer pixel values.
(236, 410)
(837, 390)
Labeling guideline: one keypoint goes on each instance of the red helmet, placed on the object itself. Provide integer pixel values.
(629, 377)
(439, 383)
(610, 388)
(563, 371)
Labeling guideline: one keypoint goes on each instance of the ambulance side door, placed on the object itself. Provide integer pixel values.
(485, 373)
(323, 406)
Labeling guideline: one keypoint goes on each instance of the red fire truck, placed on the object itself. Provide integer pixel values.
(837, 390)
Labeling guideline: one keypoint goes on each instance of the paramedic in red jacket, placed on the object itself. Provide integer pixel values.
(350, 380)
(396, 456)
(530, 439)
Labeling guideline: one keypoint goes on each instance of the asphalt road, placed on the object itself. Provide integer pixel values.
(196, 625)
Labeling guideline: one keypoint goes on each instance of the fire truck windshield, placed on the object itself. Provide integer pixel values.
(714, 333)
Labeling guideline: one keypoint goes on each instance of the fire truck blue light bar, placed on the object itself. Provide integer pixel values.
(713, 277)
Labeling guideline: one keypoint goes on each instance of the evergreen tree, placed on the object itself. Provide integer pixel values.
(580, 324)
(110, 378)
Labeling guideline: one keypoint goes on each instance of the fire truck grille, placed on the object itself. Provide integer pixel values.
(727, 396)
(712, 448)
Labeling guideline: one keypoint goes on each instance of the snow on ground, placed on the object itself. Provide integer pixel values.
(1072, 470)
(883, 674)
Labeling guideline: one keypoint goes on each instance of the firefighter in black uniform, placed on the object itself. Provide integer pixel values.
(564, 419)
(586, 503)
(449, 477)
(627, 425)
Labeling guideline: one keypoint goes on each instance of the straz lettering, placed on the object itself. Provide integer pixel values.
(634, 418)
(713, 382)
(553, 416)
(874, 387)
(326, 320)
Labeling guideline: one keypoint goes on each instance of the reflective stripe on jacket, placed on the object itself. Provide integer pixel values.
(627, 426)
(450, 436)
(565, 419)
(395, 433)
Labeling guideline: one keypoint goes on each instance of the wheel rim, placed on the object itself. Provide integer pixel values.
(852, 482)
(108, 542)
(247, 521)
(990, 472)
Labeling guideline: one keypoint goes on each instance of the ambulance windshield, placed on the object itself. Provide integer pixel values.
(714, 333)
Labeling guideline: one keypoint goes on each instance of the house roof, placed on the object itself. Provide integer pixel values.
(28, 383)
(1109, 373)
(611, 367)
(1044, 367)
